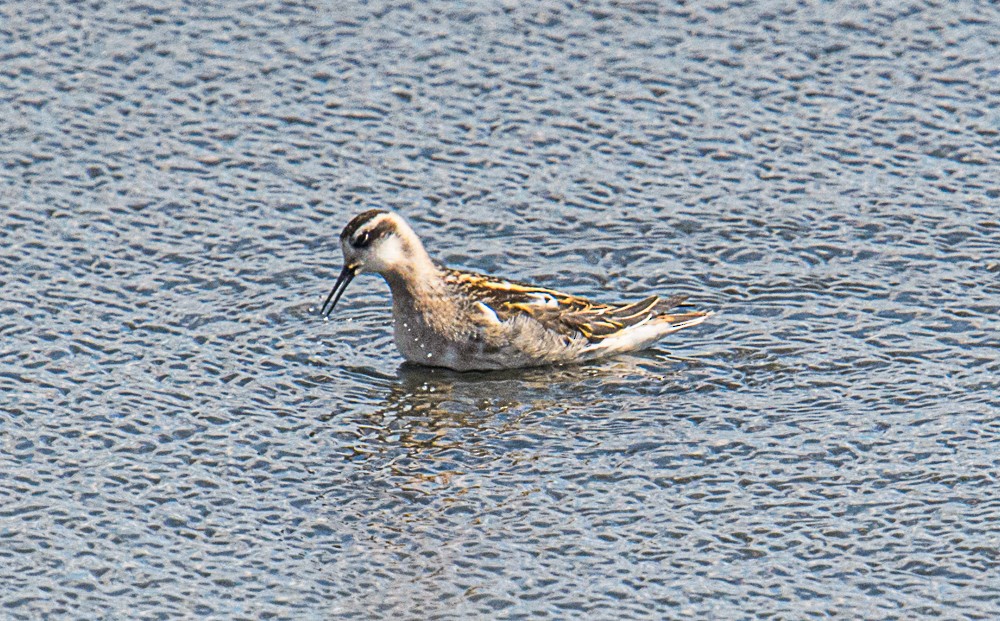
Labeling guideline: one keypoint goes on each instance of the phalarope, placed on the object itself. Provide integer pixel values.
(466, 321)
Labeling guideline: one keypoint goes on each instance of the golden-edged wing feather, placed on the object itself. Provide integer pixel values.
(560, 312)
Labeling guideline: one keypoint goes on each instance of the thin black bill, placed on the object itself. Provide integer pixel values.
(346, 275)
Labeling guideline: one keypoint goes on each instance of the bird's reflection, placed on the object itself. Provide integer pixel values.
(470, 399)
(427, 412)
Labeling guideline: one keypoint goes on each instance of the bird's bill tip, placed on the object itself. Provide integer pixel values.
(346, 276)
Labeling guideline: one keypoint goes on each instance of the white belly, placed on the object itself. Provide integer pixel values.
(420, 344)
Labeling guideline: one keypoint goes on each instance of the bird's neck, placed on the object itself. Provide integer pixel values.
(418, 278)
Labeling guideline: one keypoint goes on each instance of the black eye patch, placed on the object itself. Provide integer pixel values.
(359, 221)
(362, 240)
(380, 230)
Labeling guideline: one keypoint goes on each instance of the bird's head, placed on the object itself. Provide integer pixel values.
(374, 241)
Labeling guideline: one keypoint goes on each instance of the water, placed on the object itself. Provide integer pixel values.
(182, 436)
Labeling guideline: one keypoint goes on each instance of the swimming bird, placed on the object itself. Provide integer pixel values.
(466, 321)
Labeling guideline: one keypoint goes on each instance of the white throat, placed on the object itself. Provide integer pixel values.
(390, 254)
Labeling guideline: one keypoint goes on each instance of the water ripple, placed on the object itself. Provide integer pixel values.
(181, 435)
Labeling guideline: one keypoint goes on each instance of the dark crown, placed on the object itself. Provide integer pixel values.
(359, 221)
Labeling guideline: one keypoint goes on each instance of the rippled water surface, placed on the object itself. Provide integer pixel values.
(182, 436)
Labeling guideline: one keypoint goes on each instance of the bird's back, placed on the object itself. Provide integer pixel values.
(537, 325)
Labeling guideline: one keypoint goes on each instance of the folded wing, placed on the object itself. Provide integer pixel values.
(560, 312)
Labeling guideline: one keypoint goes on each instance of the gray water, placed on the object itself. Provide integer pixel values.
(181, 436)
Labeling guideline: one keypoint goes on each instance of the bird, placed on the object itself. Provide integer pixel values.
(466, 321)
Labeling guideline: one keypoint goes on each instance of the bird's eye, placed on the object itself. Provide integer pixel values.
(362, 240)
